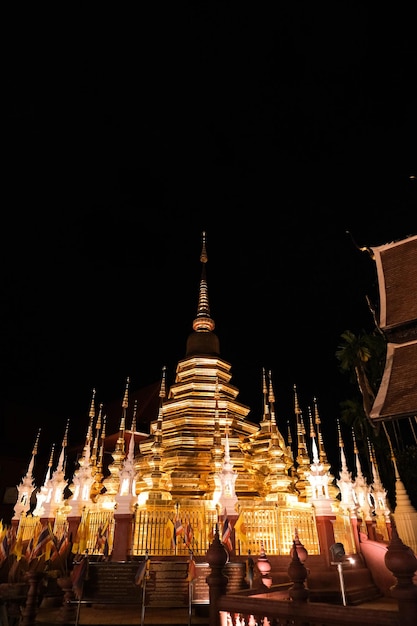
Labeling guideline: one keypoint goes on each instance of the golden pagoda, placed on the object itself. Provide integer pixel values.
(202, 465)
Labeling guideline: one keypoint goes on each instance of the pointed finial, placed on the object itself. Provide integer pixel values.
(203, 321)
(297, 409)
(341, 444)
(312, 431)
(125, 402)
(264, 386)
(289, 435)
(65, 438)
(36, 444)
(92, 406)
(271, 396)
(355, 447)
(203, 256)
(135, 409)
(162, 391)
(51, 458)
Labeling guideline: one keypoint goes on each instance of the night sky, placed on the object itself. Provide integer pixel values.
(128, 134)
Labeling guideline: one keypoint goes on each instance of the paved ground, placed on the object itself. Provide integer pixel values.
(131, 616)
(121, 616)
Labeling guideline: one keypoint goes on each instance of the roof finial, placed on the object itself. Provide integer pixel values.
(203, 321)
(162, 389)
(203, 255)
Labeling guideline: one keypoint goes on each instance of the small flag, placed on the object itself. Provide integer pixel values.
(18, 547)
(4, 549)
(169, 535)
(64, 544)
(80, 544)
(192, 570)
(179, 529)
(102, 539)
(43, 539)
(240, 529)
(29, 549)
(78, 575)
(188, 535)
(227, 532)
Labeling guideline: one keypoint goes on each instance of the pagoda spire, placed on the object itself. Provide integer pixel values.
(302, 458)
(27, 486)
(228, 476)
(266, 417)
(127, 473)
(83, 478)
(317, 422)
(152, 482)
(112, 482)
(58, 483)
(360, 486)
(317, 474)
(203, 340)
(274, 428)
(203, 321)
(157, 476)
(378, 493)
(217, 451)
(347, 502)
(97, 455)
(405, 514)
(277, 461)
(44, 493)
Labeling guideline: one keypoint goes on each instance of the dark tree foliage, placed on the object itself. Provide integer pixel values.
(362, 359)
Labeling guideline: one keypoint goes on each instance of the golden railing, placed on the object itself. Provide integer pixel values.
(99, 529)
(28, 527)
(169, 531)
(275, 528)
(343, 533)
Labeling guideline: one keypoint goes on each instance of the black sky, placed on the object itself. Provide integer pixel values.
(129, 133)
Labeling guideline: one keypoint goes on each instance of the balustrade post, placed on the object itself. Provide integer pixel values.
(122, 542)
(298, 574)
(402, 562)
(31, 606)
(217, 558)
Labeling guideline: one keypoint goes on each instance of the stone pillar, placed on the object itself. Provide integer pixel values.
(402, 562)
(326, 534)
(122, 541)
(371, 530)
(355, 529)
(217, 558)
(73, 523)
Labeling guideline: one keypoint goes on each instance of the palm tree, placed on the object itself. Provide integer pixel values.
(363, 357)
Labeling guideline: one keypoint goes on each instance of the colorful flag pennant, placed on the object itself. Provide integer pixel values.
(78, 575)
(240, 529)
(192, 570)
(169, 535)
(227, 533)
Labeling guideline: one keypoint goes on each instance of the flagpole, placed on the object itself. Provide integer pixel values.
(190, 593)
(142, 617)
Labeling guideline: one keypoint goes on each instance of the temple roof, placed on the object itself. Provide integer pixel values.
(397, 278)
(397, 394)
